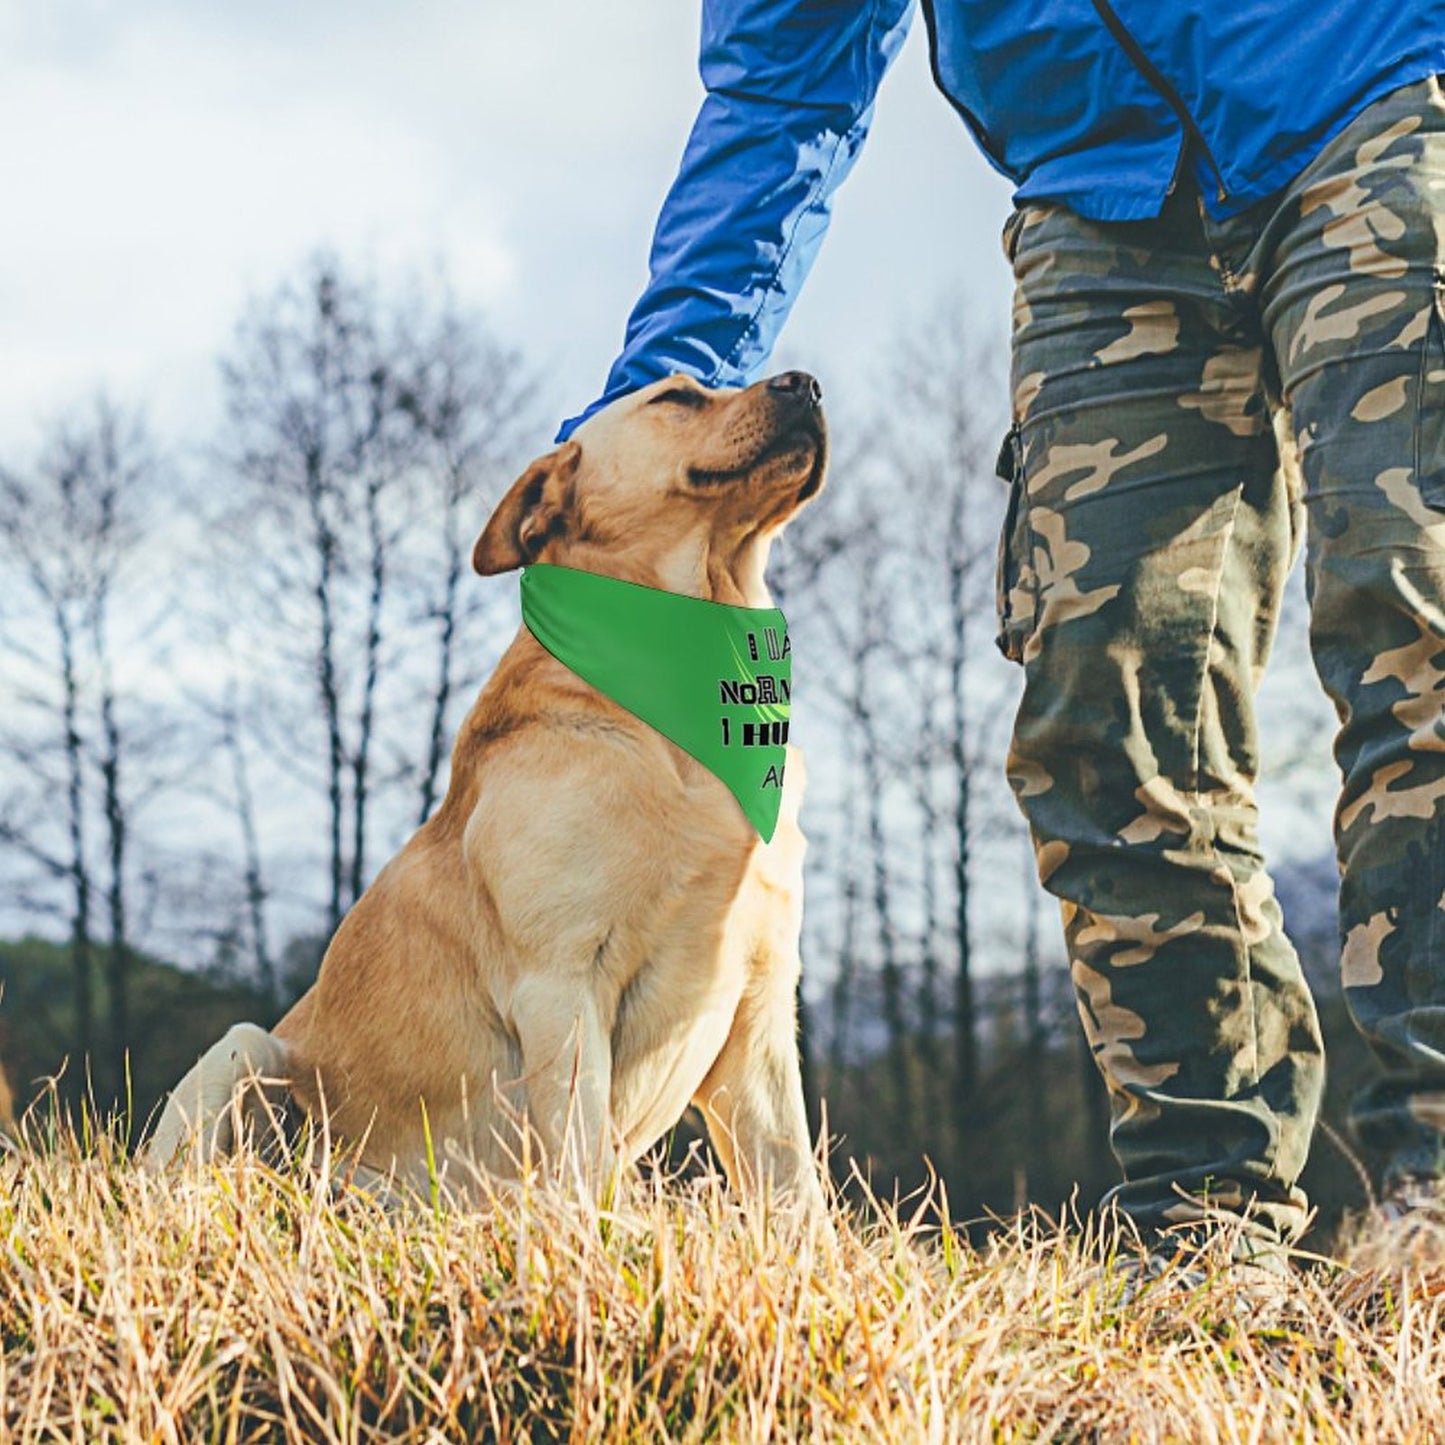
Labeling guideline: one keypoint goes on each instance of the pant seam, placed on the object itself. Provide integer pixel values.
(1196, 796)
(1197, 741)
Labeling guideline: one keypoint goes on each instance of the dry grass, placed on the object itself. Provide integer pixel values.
(243, 1303)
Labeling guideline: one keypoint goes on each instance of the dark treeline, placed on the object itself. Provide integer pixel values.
(232, 675)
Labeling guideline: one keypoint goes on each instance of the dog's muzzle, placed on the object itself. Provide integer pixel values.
(801, 399)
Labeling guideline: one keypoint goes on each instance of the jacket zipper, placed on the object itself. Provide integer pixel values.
(1156, 78)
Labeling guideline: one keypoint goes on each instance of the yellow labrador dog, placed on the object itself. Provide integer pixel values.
(588, 935)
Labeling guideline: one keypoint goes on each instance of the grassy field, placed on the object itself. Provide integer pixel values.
(242, 1303)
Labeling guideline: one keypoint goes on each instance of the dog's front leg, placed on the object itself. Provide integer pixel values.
(752, 1098)
(567, 1057)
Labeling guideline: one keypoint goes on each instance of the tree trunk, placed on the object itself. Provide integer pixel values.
(811, 1097)
(326, 678)
(446, 641)
(1038, 1150)
(118, 954)
(361, 762)
(843, 979)
(928, 969)
(965, 1040)
(895, 1013)
(263, 964)
(79, 870)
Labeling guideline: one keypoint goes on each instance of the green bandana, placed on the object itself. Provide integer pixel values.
(715, 679)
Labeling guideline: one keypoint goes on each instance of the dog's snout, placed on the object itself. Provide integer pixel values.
(799, 385)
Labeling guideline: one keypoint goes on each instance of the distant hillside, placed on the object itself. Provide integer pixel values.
(174, 1015)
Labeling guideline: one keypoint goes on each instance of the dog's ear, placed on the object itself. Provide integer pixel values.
(534, 509)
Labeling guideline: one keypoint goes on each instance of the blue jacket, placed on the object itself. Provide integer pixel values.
(1097, 104)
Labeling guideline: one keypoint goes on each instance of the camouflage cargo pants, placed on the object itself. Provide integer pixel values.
(1151, 531)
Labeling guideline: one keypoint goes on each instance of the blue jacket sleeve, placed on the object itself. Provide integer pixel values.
(790, 89)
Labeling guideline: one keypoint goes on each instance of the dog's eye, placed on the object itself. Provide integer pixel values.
(681, 395)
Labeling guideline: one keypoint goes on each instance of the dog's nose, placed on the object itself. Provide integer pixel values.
(797, 384)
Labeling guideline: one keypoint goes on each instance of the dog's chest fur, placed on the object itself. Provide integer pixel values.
(590, 874)
(673, 971)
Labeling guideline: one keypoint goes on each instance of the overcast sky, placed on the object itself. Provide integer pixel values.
(163, 159)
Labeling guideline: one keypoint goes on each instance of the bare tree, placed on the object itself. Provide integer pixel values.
(319, 444)
(116, 456)
(473, 402)
(1035, 1033)
(70, 528)
(904, 615)
(864, 710)
(256, 891)
(931, 838)
(845, 964)
(942, 437)
(367, 437)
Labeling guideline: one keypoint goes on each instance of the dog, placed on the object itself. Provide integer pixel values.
(588, 935)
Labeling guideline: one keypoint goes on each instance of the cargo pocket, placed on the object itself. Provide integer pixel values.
(1430, 413)
(1014, 586)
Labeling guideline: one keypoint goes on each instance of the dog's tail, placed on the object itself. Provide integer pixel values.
(238, 1088)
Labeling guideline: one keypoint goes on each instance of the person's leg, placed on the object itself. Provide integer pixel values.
(1141, 588)
(1355, 304)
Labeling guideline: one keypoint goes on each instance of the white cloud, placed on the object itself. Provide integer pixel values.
(166, 159)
